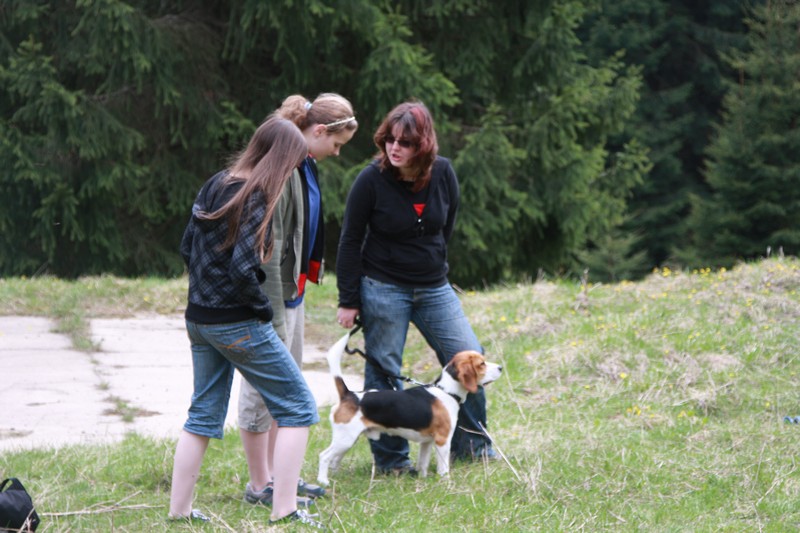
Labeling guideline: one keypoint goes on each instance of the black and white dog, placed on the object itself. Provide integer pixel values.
(426, 414)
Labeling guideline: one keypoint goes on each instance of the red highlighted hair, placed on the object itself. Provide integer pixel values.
(416, 124)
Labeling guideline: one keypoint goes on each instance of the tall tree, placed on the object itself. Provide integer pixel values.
(754, 160)
(112, 114)
(530, 133)
(109, 113)
(680, 47)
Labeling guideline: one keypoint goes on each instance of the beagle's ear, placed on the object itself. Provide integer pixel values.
(467, 374)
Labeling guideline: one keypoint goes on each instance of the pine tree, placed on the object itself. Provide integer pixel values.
(111, 115)
(615, 256)
(679, 46)
(487, 167)
(754, 160)
(560, 186)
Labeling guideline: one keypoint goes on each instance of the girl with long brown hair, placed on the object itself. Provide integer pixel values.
(228, 317)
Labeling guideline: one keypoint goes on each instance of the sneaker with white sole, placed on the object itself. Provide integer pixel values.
(264, 497)
(194, 516)
(307, 489)
(299, 516)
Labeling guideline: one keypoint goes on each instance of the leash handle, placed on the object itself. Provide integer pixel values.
(353, 331)
(357, 327)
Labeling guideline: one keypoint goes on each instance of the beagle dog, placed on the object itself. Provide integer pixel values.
(425, 414)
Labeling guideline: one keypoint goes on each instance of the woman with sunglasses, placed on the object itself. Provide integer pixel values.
(391, 269)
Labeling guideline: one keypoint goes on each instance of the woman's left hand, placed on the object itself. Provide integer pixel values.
(346, 317)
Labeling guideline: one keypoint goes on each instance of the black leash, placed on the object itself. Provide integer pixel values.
(369, 359)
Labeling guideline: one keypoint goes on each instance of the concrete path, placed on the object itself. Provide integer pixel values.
(52, 395)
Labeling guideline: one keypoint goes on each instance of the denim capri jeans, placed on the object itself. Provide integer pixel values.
(253, 348)
(253, 414)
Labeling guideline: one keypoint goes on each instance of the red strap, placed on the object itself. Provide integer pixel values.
(313, 271)
(301, 285)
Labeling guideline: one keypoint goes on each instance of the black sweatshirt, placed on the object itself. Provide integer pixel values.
(384, 238)
(224, 285)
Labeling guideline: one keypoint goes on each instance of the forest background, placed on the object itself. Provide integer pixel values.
(608, 136)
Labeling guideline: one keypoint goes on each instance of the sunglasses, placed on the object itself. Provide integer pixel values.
(402, 142)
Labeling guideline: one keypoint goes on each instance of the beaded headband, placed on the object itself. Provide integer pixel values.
(338, 122)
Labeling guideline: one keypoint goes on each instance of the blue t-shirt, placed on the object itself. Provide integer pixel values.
(314, 203)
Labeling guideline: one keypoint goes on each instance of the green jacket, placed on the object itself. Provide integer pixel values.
(285, 273)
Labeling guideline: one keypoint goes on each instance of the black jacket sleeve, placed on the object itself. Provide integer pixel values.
(360, 202)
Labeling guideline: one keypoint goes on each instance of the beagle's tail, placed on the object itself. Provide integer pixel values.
(335, 364)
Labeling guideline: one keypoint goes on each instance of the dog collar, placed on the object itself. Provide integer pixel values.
(455, 396)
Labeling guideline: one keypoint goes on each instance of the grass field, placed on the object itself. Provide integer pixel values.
(650, 406)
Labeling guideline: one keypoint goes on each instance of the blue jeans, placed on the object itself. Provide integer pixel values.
(386, 312)
(257, 352)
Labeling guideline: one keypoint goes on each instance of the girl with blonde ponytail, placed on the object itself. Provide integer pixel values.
(327, 123)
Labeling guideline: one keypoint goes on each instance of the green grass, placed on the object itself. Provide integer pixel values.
(648, 406)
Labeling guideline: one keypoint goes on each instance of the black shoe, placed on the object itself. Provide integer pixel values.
(486, 453)
(406, 470)
(300, 516)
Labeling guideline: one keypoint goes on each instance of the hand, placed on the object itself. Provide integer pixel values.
(346, 317)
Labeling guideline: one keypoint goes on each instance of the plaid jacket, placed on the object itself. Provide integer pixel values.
(224, 285)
